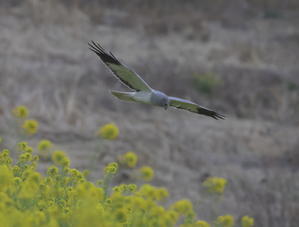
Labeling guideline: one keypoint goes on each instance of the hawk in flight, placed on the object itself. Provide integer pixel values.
(143, 93)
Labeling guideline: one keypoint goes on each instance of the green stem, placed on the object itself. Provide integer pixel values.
(106, 184)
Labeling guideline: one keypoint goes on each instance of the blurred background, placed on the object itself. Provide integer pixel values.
(239, 57)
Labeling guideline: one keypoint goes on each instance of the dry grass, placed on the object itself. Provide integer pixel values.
(46, 65)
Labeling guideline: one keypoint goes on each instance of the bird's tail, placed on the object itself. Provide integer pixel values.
(126, 96)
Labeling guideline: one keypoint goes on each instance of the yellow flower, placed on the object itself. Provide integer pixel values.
(161, 193)
(86, 173)
(111, 168)
(173, 215)
(20, 112)
(30, 126)
(109, 131)
(4, 157)
(60, 158)
(44, 145)
(121, 215)
(44, 149)
(25, 157)
(28, 190)
(183, 207)
(35, 177)
(5, 152)
(35, 158)
(16, 170)
(130, 159)
(52, 171)
(65, 196)
(17, 180)
(147, 173)
(138, 202)
(156, 211)
(247, 221)
(225, 221)
(132, 187)
(147, 191)
(201, 223)
(22, 146)
(6, 177)
(215, 184)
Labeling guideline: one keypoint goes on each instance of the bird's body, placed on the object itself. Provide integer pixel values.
(158, 98)
(143, 93)
(152, 97)
(136, 96)
(143, 97)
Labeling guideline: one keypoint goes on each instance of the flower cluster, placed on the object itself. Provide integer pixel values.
(64, 197)
(111, 168)
(44, 149)
(129, 159)
(225, 221)
(247, 221)
(29, 126)
(147, 173)
(60, 158)
(20, 112)
(215, 185)
(201, 223)
(44, 145)
(109, 131)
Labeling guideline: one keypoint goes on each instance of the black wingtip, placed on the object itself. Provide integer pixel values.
(215, 115)
(218, 116)
(96, 47)
(104, 55)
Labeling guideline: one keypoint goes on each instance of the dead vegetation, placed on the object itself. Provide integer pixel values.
(46, 65)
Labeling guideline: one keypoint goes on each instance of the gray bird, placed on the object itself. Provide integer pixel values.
(143, 93)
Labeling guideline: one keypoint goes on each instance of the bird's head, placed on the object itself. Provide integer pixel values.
(166, 104)
(160, 99)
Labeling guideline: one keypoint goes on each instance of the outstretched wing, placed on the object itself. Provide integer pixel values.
(193, 107)
(123, 73)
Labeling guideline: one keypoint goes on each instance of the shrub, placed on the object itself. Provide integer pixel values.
(215, 185)
(64, 197)
(129, 159)
(109, 131)
(206, 83)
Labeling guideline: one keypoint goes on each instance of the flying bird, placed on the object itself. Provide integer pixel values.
(143, 93)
